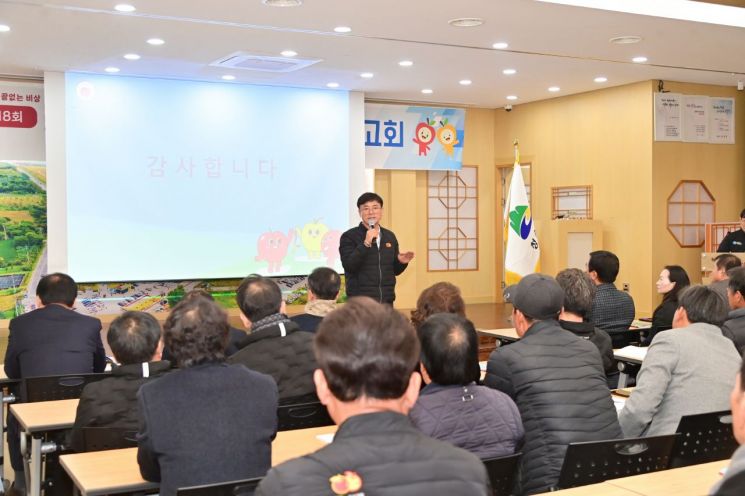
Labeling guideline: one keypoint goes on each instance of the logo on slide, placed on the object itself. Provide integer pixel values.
(521, 221)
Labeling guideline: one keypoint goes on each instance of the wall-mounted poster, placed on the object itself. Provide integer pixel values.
(696, 118)
(667, 116)
(721, 120)
(407, 137)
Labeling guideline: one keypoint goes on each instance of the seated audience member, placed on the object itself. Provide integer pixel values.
(275, 345)
(688, 370)
(441, 297)
(556, 379)
(235, 336)
(612, 310)
(323, 290)
(366, 354)
(733, 482)
(134, 339)
(207, 422)
(52, 340)
(723, 264)
(452, 407)
(734, 326)
(734, 241)
(579, 292)
(673, 279)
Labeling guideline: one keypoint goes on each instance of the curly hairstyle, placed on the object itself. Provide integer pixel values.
(196, 331)
(441, 297)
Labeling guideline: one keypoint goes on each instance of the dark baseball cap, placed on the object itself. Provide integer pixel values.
(537, 296)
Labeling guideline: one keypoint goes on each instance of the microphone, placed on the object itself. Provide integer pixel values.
(371, 223)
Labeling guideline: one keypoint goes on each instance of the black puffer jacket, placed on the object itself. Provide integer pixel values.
(289, 359)
(557, 381)
(734, 328)
(112, 402)
(370, 271)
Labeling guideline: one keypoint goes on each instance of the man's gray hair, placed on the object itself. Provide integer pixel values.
(579, 291)
(703, 304)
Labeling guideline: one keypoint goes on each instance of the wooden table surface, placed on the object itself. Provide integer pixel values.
(116, 471)
(602, 489)
(506, 333)
(45, 415)
(695, 480)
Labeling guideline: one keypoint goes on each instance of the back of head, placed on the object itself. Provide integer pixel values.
(196, 331)
(727, 262)
(57, 288)
(536, 296)
(325, 283)
(450, 349)
(366, 349)
(258, 297)
(679, 276)
(703, 304)
(441, 297)
(736, 281)
(605, 264)
(134, 337)
(579, 291)
(369, 197)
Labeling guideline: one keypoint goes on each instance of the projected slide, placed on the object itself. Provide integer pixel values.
(187, 180)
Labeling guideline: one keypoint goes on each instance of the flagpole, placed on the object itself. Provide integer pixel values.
(517, 152)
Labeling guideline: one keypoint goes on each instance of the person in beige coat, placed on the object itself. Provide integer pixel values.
(688, 370)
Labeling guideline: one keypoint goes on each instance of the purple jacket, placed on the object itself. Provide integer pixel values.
(479, 419)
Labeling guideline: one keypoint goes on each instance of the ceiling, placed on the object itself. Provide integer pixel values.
(549, 45)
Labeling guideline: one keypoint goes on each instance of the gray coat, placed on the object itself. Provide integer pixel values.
(389, 455)
(558, 383)
(479, 419)
(686, 371)
(734, 328)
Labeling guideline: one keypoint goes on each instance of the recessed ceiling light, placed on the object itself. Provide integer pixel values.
(124, 7)
(367, 75)
(464, 82)
(511, 97)
(600, 79)
(625, 40)
(228, 77)
(342, 29)
(112, 69)
(155, 41)
(553, 89)
(406, 63)
(509, 72)
(427, 91)
(288, 53)
(639, 60)
(282, 3)
(332, 85)
(4, 28)
(131, 56)
(466, 22)
(501, 45)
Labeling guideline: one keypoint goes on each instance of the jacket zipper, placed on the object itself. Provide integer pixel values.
(380, 269)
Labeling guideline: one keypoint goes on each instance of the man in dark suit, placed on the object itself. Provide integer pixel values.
(51, 340)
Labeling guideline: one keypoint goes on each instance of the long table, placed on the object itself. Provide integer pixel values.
(504, 336)
(116, 471)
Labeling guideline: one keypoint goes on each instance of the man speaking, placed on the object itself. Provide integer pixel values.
(369, 254)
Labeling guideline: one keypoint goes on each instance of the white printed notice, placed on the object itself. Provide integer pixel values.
(695, 118)
(721, 120)
(667, 116)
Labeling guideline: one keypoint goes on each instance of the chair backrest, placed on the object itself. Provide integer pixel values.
(707, 437)
(598, 461)
(108, 438)
(502, 473)
(56, 387)
(302, 416)
(244, 487)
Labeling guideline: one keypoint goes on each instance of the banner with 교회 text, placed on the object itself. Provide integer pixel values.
(409, 137)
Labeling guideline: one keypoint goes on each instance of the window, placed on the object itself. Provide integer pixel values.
(689, 208)
(452, 219)
(571, 202)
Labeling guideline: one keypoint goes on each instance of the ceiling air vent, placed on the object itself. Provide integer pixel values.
(251, 62)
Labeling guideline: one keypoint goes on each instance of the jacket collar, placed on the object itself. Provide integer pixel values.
(540, 326)
(134, 370)
(736, 314)
(578, 328)
(373, 423)
(433, 387)
(271, 332)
